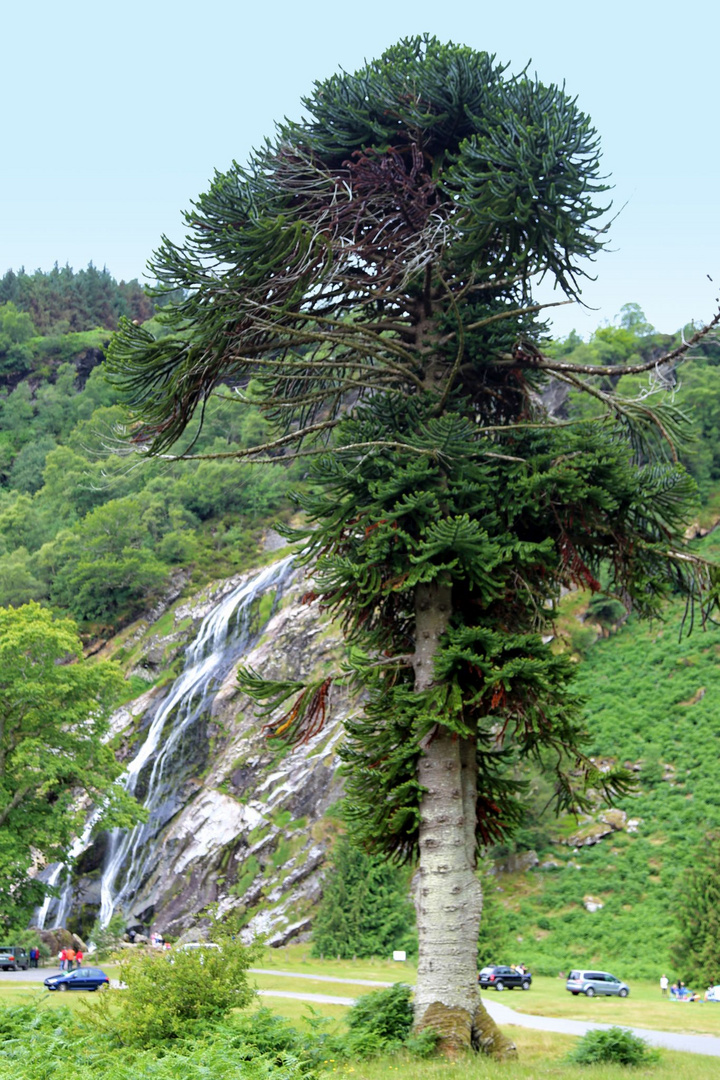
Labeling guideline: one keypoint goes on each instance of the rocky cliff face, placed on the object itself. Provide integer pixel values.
(237, 821)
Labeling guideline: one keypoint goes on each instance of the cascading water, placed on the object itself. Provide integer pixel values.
(225, 635)
(223, 638)
(79, 844)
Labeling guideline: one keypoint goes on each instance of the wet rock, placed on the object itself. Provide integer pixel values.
(237, 805)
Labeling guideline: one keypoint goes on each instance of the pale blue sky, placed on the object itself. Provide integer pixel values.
(117, 115)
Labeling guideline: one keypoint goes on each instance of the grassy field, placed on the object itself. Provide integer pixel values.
(542, 1054)
(548, 997)
(542, 1057)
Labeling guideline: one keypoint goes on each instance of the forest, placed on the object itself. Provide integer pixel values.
(86, 528)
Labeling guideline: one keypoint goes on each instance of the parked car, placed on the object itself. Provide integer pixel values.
(13, 957)
(83, 978)
(197, 948)
(502, 977)
(591, 983)
(192, 946)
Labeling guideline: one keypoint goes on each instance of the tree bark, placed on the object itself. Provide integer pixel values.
(448, 895)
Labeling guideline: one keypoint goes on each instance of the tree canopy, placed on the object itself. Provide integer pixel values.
(55, 761)
(371, 271)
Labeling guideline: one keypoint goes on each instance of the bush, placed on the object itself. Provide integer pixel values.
(615, 1046)
(170, 995)
(380, 1022)
(47, 1044)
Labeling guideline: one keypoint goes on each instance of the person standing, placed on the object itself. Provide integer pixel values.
(664, 985)
(62, 957)
(69, 957)
(79, 958)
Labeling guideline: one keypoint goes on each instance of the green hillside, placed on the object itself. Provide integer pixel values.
(87, 526)
(652, 703)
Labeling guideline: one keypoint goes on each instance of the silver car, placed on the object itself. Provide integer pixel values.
(591, 983)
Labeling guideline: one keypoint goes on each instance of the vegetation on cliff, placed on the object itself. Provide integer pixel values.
(55, 762)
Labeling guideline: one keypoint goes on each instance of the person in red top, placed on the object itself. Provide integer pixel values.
(63, 959)
(79, 957)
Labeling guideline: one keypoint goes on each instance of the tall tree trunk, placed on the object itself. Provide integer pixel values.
(448, 895)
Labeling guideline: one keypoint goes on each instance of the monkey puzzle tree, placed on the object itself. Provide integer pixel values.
(370, 272)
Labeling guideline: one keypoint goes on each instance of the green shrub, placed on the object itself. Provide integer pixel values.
(381, 1021)
(47, 1044)
(109, 937)
(274, 1036)
(170, 995)
(615, 1046)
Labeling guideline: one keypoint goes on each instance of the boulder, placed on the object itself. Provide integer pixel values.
(516, 863)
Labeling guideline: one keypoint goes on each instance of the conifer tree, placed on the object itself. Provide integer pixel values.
(365, 909)
(697, 904)
(370, 271)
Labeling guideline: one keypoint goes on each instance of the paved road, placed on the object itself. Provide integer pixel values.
(501, 1014)
(31, 975)
(314, 999)
(317, 978)
(671, 1040)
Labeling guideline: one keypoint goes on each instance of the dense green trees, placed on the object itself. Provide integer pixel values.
(54, 757)
(365, 909)
(82, 529)
(63, 301)
(371, 270)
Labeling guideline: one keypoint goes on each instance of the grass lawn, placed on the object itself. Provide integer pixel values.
(542, 1054)
(643, 1008)
(547, 997)
(542, 1057)
(298, 958)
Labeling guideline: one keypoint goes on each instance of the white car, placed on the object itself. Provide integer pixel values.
(197, 947)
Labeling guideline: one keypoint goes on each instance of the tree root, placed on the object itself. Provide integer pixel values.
(459, 1031)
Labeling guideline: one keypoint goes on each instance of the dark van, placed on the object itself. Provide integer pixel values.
(13, 958)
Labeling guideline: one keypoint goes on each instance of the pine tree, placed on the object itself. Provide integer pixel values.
(370, 271)
(365, 909)
(697, 904)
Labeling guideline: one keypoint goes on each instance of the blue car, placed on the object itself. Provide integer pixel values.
(83, 978)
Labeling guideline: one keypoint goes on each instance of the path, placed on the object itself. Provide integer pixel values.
(501, 1014)
(670, 1040)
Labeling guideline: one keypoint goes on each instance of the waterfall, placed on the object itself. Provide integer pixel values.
(225, 635)
(79, 844)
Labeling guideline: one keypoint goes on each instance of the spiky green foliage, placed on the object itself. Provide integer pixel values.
(697, 949)
(428, 179)
(510, 531)
(370, 269)
(365, 908)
